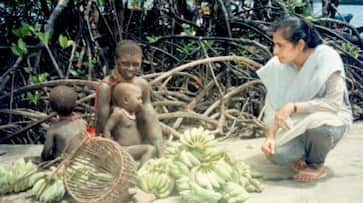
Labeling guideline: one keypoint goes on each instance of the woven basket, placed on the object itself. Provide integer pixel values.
(100, 171)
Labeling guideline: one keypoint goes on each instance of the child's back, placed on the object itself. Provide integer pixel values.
(65, 134)
(62, 137)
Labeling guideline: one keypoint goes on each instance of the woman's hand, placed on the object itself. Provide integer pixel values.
(283, 114)
(268, 147)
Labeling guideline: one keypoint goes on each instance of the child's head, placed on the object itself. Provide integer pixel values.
(128, 59)
(63, 100)
(128, 47)
(127, 96)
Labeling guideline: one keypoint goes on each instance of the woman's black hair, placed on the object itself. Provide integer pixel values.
(294, 29)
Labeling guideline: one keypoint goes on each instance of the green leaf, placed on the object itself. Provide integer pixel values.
(43, 77)
(24, 30)
(42, 37)
(70, 43)
(76, 54)
(28, 70)
(22, 46)
(17, 32)
(152, 39)
(35, 79)
(33, 98)
(63, 41)
(15, 49)
(73, 73)
(40, 78)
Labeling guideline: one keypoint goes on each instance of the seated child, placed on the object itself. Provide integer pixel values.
(122, 127)
(65, 134)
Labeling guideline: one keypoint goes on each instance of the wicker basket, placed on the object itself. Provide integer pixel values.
(99, 171)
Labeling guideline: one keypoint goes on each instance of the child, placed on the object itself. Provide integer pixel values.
(122, 126)
(65, 134)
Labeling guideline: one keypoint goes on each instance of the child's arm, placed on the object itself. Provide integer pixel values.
(112, 121)
(48, 149)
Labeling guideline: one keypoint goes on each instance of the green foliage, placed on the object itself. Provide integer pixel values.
(208, 43)
(28, 70)
(75, 73)
(40, 78)
(243, 52)
(42, 37)
(310, 19)
(19, 49)
(351, 49)
(33, 98)
(188, 31)
(152, 39)
(185, 49)
(302, 6)
(24, 30)
(64, 42)
(135, 3)
(90, 62)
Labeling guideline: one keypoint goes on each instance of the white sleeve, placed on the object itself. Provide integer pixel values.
(269, 115)
(331, 101)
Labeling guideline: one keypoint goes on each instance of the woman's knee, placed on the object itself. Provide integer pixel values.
(281, 158)
(320, 137)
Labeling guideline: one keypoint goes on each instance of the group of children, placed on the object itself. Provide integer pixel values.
(126, 99)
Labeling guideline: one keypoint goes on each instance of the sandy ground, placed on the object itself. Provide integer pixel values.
(344, 183)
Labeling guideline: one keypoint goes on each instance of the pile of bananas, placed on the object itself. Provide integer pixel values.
(16, 179)
(48, 190)
(203, 173)
(155, 166)
(197, 138)
(23, 176)
(157, 183)
(4, 180)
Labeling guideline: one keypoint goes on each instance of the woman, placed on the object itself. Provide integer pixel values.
(307, 106)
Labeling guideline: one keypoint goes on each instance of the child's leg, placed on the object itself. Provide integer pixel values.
(142, 152)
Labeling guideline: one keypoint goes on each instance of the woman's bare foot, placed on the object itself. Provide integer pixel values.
(299, 165)
(310, 174)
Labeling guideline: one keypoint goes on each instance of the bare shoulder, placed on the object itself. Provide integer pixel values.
(141, 82)
(105, 83)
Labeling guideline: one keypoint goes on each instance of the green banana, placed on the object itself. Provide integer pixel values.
(205, 193)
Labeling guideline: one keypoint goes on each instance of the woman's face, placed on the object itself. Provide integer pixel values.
(286, 51)
(128, 66)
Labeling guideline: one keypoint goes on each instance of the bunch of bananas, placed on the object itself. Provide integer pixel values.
(159, 184)
(17, 178)
(197, 138)
(202, 172)
(194, 193)
(234, 193)
(248, 178)
(156, 166)
(206, 177)
(178, 169)
(4, 180)
(48, 190)
(172, 149)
